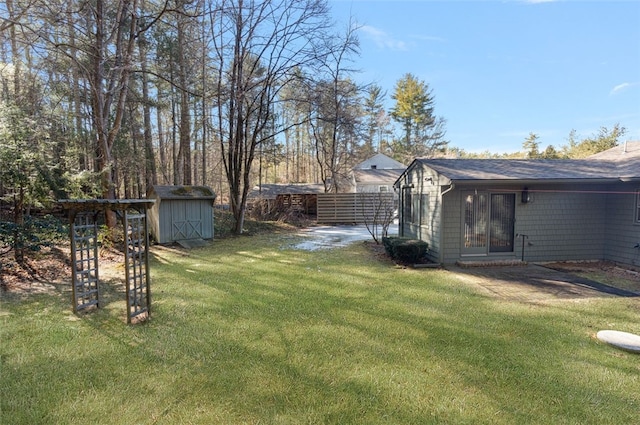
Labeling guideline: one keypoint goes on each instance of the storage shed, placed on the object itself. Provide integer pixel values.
(181, 213)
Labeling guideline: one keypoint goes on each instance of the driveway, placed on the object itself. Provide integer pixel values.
(534, 283)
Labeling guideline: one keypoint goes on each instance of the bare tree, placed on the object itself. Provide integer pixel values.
(110, 50)
(258, 45)
(376, 121)
(335, 111)
(300, 162)
(334, 118)
(102, 51)
(378, 211)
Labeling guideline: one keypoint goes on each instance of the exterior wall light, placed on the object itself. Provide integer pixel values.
(525, 195)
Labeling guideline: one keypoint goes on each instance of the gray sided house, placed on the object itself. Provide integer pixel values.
(181, 213)
(478, 210)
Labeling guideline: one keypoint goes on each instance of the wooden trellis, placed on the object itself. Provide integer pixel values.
(84, 252)
(84, 261)
(136, 265)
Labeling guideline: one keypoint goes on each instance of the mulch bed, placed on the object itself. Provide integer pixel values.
(627, 277)
(42, 271)
(381, 255)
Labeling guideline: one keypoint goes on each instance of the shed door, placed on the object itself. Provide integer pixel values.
(186, 221)
(488, 222)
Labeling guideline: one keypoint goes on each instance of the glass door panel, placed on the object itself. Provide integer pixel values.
(475, 223)
(503, 207)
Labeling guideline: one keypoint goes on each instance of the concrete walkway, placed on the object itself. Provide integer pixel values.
(533, 283)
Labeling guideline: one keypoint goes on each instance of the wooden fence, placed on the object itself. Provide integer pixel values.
(355, 208)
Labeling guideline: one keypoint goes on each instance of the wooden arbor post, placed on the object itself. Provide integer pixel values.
(84, 252)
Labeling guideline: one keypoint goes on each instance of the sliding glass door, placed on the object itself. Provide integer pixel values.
(488, 223)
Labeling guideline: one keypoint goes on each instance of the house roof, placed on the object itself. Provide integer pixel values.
(614, 164)
(521, 169)
(377, 176)
(625, 155)
(620, 153)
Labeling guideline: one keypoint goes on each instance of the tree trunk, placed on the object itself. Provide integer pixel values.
(18, 219)
(184, 152)
(162, 148)
(112, 98)
(150, 172)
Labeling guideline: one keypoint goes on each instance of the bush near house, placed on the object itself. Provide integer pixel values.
(405, 250)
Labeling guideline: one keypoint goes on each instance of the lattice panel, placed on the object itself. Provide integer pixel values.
(136, 266)
(84, 257)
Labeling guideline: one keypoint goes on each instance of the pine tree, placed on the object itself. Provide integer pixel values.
(423, 132)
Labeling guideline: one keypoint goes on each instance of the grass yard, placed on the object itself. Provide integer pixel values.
(249, 332)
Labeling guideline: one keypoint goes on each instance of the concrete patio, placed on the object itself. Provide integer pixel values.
(534, 283)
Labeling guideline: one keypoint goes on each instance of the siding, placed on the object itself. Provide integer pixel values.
(622, 234)
(194, 217)
(451, 226)
(562, 224)
(425, 181)
(181, 213)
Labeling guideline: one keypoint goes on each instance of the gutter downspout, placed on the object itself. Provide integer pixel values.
(451, 187)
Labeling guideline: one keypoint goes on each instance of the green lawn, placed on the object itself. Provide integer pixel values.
(250, 332)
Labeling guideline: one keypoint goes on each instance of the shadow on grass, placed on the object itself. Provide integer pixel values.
(341, 337)
(248, 333)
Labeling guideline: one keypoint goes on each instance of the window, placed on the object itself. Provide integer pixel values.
(407, 213)
(424, 209)
(419, 209)
(383, 188)
(638, 207)
(415, 209)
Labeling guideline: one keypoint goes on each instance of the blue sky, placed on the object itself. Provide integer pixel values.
(502, 70)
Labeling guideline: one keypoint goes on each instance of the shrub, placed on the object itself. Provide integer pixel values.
(405, 250)
(387, 242)
(33, 235)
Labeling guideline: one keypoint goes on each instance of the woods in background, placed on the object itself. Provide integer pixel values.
(106, 98)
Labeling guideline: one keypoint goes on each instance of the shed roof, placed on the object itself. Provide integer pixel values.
(105, 204)
(181, 192)
(272, 190)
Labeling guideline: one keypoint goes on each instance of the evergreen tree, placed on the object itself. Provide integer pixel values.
(531, 146)
(423, 132)
(374, 115)
(605, 139)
